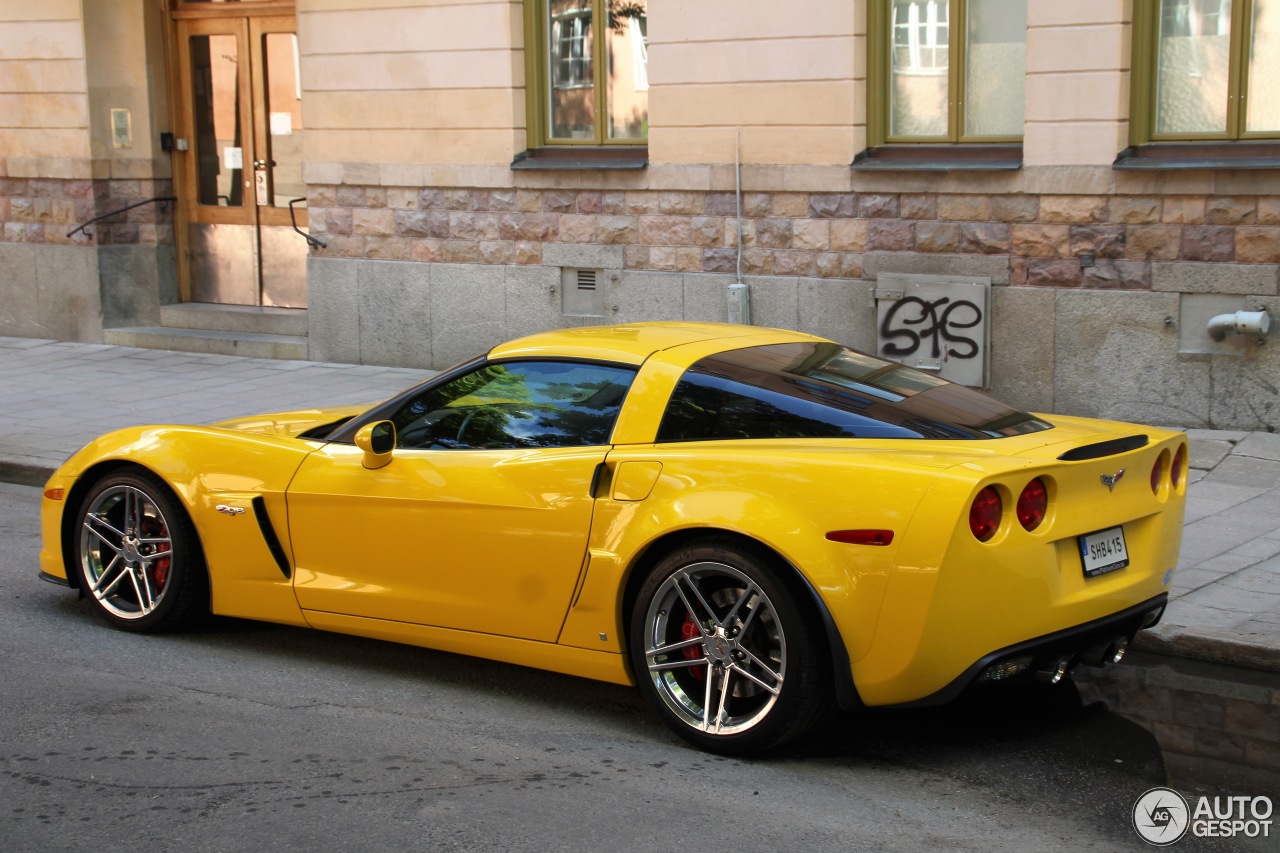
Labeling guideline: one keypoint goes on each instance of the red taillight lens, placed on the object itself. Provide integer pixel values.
(1032, 504)
(984, 515)
(1179, 466)
(1157, 470)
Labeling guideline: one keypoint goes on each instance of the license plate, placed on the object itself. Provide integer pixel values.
(1103, 552)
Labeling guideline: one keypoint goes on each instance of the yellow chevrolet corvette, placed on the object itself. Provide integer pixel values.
(754, 526)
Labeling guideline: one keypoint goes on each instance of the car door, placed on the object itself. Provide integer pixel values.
(480, 521)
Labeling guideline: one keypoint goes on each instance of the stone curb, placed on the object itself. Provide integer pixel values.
(1209, 646)
(24, 473)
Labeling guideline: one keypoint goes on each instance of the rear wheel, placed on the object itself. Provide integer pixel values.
(723, 649)
(137, 554)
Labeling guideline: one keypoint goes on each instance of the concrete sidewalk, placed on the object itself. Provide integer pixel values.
(56, 397)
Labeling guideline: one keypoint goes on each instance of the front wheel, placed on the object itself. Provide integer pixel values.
(726, 652)
(137, 554)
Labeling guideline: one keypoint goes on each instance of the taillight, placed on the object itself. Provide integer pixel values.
(984, 515)
(1157, 473)
(1179, 466)
(1032, 504)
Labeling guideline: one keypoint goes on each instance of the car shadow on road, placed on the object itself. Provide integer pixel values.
(1029, 744)
(977, 736)
(1050, 719)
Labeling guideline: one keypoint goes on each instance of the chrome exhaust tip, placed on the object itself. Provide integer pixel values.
(1054, 672)
(1106, 652)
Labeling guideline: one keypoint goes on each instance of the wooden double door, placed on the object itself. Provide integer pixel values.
(240, 123)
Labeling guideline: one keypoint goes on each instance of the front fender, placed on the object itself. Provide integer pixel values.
(205, 467)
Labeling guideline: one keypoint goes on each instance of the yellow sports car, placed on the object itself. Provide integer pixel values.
(754, 526)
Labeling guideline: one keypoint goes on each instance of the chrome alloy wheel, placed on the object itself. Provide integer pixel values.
(714, 648)
(126, 551)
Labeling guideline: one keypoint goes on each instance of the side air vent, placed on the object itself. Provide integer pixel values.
(581, 294)
(269, 535)
(1105, 448)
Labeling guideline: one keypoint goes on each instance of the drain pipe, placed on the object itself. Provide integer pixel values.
(739, 295)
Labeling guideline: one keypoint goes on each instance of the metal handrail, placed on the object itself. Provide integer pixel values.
(293, 218)
(84, 225)
(311, 241)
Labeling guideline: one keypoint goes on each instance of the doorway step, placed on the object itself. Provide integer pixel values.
(223, 329)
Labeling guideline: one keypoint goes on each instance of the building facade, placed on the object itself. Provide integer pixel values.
(1107, 172)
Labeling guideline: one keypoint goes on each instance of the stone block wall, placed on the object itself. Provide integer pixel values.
(51, 292)
(1040, 237)
(1087, 293)
(46, 210)
(64, 65)
(1216, 725)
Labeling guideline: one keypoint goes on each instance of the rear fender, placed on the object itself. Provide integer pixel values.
(776, 505)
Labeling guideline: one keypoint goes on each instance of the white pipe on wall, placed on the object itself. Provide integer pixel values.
(1239, 323)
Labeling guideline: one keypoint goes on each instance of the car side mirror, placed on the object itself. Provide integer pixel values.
(377, 440)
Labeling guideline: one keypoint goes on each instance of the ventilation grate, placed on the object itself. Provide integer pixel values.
(582, 292)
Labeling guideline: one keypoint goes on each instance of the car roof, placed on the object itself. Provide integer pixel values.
(630, 343)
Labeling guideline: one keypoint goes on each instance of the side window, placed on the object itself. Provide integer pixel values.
(705, 407)
(517, 404)
(822, 390)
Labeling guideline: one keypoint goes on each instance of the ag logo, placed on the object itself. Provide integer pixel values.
(1161, 816)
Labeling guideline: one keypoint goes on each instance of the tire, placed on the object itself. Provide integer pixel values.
(138, 557)
(717, 626)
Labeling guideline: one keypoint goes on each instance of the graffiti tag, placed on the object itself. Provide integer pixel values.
(933, 322)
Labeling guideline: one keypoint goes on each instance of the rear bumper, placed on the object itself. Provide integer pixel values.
(1071, 642)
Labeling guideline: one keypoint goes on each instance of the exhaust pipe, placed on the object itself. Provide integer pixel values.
(1054, 672)
(1106, 652)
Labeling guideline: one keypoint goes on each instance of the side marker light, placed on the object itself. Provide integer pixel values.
(862, 537)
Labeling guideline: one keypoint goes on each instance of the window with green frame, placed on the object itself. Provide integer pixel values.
(575, 97)
(1205, 70)
(946, 71)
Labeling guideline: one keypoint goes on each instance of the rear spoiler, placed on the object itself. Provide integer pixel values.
(1105, 448)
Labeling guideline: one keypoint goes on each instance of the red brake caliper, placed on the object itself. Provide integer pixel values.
(690, 631)
(160, 573)
(162, 570)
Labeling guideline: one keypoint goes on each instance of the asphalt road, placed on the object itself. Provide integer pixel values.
(250, 736)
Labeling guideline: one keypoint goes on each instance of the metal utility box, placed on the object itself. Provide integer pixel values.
(936, 323)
